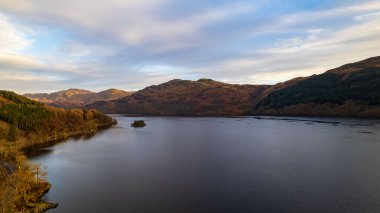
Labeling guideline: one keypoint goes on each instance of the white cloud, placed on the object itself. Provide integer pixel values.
(298, 21)
(25, 76)
(12, 36)
(281, 76)
(131, 44)
(367, 16)
(134, 23)
(305, 17)
(19, 61)
(79, 50)
(315, 52)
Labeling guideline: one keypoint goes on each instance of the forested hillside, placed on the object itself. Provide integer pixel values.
(30, 120)
(24, 122)
(350, 90)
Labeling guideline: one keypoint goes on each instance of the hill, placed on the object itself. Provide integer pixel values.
(349, 90)
(32, 121)
(74, 98)
(183, 97)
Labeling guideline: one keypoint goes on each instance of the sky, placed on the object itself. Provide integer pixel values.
(47, 46)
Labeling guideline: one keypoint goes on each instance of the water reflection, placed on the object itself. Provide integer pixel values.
(41, 149)
(244, 164)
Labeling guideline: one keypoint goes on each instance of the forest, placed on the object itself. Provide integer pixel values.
(363, 87)
(352, 90)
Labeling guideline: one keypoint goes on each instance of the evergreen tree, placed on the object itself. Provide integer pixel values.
(13, 133)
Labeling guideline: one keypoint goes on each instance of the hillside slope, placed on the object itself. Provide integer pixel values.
(183, 97)
(74, 98)
(349, 90)
(31, 121)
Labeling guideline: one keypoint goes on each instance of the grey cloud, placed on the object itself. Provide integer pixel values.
(122, 43)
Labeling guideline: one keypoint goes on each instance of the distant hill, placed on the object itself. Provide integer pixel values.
(72, 98)
(183, 97)
(350, 90)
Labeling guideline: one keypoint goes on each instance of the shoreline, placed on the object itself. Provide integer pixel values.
(41, 187)
(263, 117)
(41, 205)
(246, 115)
(47, 142)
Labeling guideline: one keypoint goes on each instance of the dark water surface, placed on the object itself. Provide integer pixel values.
(219, 165)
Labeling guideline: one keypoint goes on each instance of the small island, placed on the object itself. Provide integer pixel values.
(138, 123)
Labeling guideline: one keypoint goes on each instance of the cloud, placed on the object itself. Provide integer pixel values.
(82, 50)
(19, 62)
(132, 44)
(132, 23)
(367, 16)
(314, 51)
(304, 17)
(12, 36)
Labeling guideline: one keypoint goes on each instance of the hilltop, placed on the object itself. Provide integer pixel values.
(349, 90)
(75, 98)
(33, 121)
(184, 97)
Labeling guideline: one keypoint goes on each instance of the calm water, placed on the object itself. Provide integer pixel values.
(219, 165)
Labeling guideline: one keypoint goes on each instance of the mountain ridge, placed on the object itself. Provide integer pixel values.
(185, 97)
(349, 90)
(76, 98)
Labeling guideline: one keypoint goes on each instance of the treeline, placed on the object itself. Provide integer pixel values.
(329, 88)
(22, 190)
(27, 118)
(8, 96)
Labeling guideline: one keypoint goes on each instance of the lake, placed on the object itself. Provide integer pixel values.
(238, 164)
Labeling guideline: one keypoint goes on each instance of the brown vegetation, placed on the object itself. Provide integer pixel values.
(22, 190)
(137, 124)
(23, 123)
(182, 97)
(350, 90)
(74, 98)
